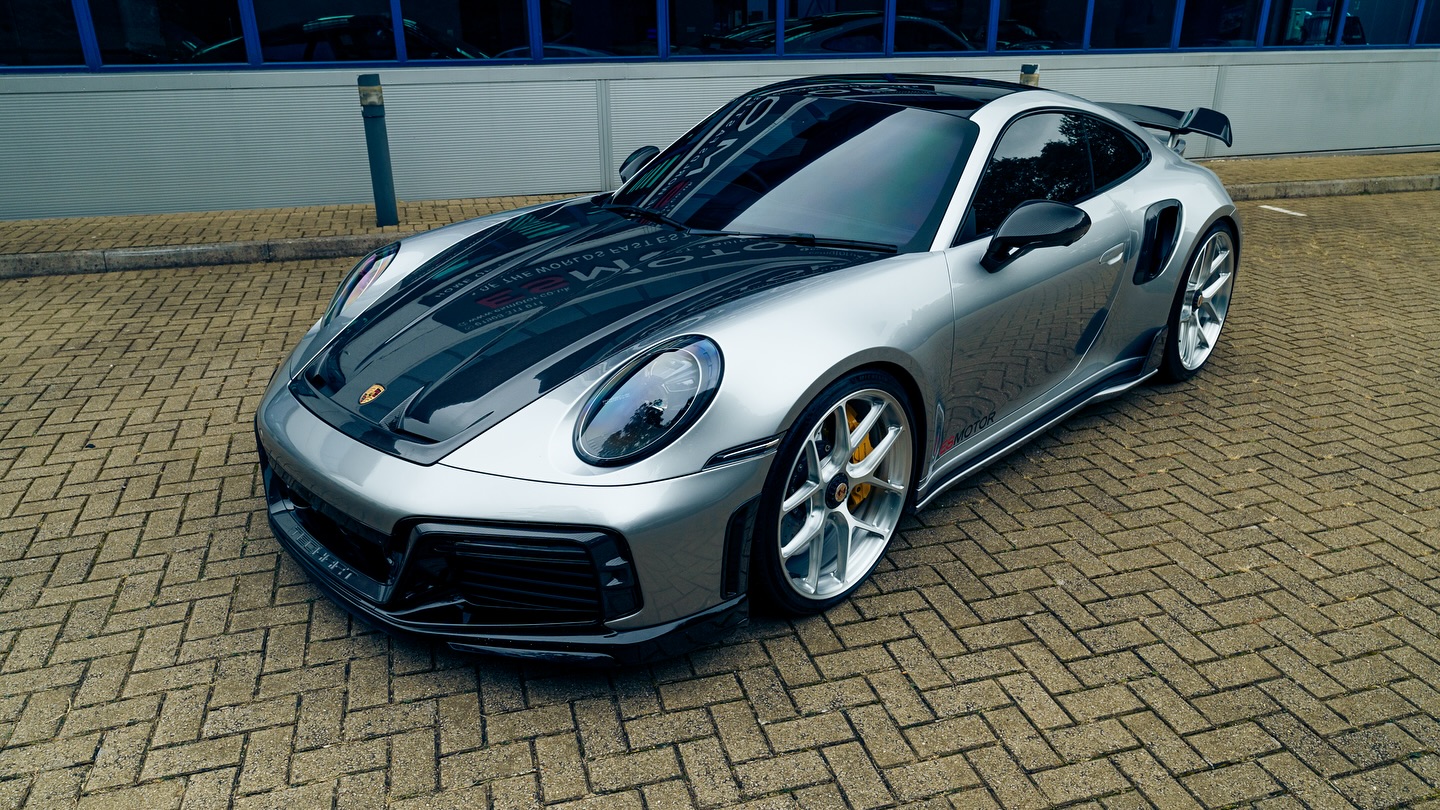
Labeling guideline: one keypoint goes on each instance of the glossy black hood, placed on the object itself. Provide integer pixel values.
(507, 315)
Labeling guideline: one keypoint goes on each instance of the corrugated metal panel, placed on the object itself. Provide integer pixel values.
(149, 142)
(1180, 87)
(1315, 107)
(472, 140)
(139, 151)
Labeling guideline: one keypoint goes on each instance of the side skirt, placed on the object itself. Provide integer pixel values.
(1106, 389)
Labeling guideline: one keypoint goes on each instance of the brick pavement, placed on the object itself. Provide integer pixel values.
(1238, 171)
(1212, 594)
(260, 224)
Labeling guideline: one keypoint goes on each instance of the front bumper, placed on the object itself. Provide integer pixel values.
(608, 573)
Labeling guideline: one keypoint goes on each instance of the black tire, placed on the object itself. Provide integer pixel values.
(1184, 360)
(828, 512)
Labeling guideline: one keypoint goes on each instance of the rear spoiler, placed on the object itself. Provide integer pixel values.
(1201, 119)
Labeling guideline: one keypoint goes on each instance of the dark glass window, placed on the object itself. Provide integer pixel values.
(138, 32)
(1040, 25)
(597, 28)
(325, 30)
(829, 167)
(452, 29)
(1430, 24)
(923, 26)
(1113, 154)
(1380, 22)
(1132, 23)
(835, 27)
(722, 28)
(39, 32)
(1219, 23)
(1314, 22)
(1050, 156)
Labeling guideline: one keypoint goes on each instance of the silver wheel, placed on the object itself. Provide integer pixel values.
(844, 494)
(1206, 300)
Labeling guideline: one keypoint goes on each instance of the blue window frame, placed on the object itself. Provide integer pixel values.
(104, 35)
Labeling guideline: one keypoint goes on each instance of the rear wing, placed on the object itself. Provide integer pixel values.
(1203, 120)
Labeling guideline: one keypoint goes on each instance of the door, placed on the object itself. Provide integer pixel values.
(1022, 330)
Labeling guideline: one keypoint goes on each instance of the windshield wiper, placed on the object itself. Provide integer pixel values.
(812, 240)
(808, 239)
(647, 213)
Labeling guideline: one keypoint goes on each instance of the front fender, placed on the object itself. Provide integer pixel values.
(781, 348)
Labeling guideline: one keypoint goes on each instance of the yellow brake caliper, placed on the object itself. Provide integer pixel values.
(859, 492)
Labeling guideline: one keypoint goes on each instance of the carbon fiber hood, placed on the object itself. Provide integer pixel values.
(505, 316)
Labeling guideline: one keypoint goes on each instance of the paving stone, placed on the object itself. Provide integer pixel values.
(1083, 780)
(1388, 786)
(1232, 784)
(787, 772)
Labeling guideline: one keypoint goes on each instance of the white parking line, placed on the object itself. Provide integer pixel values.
(1283, 211)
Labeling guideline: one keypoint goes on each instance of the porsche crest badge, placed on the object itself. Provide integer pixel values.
(371, 393)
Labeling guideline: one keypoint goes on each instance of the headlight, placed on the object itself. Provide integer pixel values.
(361, 276)
(649, 402)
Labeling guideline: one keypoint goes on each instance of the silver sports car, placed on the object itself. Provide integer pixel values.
(592, 429)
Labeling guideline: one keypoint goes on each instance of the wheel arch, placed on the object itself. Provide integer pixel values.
(918, 408)
(901, 368)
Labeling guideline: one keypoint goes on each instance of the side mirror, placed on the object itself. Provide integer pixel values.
(637, 161)
(1034, 224)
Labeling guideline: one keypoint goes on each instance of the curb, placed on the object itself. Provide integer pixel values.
(70, 262)
(1333, 188)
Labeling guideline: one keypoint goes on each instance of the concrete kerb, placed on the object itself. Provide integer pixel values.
(19, 265)
(56, 263)
(1334, 188)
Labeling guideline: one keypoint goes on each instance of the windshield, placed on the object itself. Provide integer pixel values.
(796, 164)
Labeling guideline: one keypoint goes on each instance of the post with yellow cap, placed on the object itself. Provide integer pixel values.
(377, 146)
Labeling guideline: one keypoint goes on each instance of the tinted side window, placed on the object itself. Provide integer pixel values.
(915, 36)
(1113, 153)
(1040, 157)
(861, 40)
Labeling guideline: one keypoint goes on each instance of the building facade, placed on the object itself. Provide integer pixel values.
(136, 106)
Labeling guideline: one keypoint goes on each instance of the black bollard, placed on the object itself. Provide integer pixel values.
(377, 147)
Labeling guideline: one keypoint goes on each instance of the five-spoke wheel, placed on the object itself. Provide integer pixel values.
(836, 491)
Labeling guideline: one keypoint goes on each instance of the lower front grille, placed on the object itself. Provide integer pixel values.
(361, 547)
(520, 575)
(551, 579)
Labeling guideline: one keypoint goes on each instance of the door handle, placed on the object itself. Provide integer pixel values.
(1113, 255)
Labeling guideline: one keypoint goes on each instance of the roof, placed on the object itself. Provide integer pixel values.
(954, 94)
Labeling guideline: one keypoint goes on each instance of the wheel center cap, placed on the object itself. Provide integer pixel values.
(838, 491)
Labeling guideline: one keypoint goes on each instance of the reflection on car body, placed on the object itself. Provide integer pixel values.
(593, 429)
(342, 38)
(841, 32)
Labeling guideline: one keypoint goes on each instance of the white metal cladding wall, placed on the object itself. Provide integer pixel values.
(450, 141)
(101, 151)
(1302, 108)
(152, 142)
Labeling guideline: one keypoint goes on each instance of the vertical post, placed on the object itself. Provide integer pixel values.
(1030, 75)
(377, 147)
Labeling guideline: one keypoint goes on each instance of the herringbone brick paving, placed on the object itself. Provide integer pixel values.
(1212, 594)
